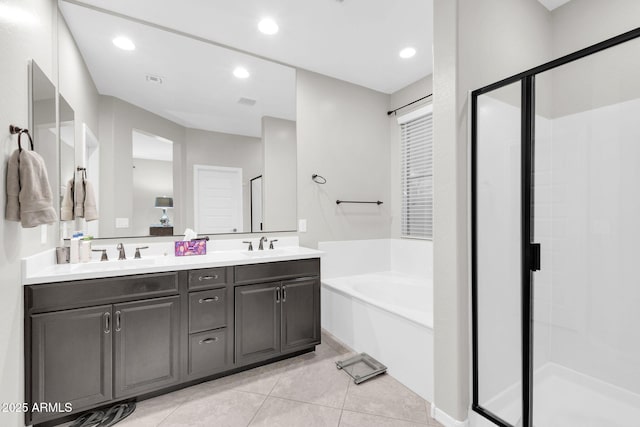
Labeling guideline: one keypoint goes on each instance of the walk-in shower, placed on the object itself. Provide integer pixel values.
(556, 242)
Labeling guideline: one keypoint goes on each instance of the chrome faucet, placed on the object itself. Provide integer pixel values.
(121, 254)
(262, 240)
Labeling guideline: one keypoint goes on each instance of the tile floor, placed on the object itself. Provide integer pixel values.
(305, 391)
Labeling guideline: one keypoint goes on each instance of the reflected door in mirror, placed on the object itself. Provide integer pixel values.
(218, 199)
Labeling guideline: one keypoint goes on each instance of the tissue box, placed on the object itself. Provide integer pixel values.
(191, 247)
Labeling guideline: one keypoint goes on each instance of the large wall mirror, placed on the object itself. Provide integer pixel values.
(176, 132)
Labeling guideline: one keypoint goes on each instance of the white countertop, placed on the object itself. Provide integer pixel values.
(41, 268)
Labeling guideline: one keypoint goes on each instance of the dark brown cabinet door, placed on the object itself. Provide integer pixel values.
(300, 313)
(146, 339)
(257, 320)
(71, 358)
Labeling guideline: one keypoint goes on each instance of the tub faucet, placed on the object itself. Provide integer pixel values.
(262, 240)
(121, 254)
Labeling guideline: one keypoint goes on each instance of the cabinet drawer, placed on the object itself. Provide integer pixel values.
(270, 271)
(85, 293)
(207, 352)
(207, 310)
(205, 278)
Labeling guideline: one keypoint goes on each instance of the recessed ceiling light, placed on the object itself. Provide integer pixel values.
(241, 73)
(407, 52)
(124, 43)
(268, 26)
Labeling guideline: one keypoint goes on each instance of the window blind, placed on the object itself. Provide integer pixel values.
(416, 136)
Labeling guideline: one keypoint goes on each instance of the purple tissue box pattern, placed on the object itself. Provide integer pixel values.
(191, 247)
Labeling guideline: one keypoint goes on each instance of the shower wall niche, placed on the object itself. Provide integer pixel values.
(555, 232)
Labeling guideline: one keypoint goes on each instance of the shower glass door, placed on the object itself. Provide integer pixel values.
(498, 271)
(555, 166)
(586, 196)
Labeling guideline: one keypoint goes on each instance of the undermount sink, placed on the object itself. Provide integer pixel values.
(114, 264)
(265, 253)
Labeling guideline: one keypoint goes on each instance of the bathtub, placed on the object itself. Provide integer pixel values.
(387, 314)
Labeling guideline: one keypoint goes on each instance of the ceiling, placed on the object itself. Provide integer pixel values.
(353, 40)
(198, 88)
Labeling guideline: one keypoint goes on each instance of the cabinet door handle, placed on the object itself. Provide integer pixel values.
(203, 300)
(278, 295)
(209, 340)
(107, 323)
(284, 294)
(118, 328)
(201, 278)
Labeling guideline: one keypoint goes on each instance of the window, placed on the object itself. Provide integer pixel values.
(416, 142)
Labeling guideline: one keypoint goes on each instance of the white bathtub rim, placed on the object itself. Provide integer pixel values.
(376, 304)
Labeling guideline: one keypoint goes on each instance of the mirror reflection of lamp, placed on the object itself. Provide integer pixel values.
(164, 203)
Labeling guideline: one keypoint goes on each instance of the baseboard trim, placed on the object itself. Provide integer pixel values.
(446, 419)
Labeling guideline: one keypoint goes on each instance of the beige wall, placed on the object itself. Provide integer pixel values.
(151, 178)
(117, 121)
(221, 149)
(343, 135)
(475, 43)
(279, 179)
(397, 99)
(19, 42)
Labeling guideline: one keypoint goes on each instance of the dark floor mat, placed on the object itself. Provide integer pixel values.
(107, 418)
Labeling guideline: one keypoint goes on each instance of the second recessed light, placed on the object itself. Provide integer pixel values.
(407, 52)
(124, 43)
(241, 73)
(268, 26)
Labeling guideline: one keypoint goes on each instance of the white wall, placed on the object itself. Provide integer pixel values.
(20, 40)
(343, 135)
(397, 99)
(595, 210)
(279, 180)
(475, 43)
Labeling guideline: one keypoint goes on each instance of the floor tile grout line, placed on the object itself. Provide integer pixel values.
(306, 403)
(176, 408)
(388, 417)
(256, 413)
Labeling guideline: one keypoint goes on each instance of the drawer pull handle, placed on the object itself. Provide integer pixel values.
(201, 278)
(209, 340)
(214, 299)
(278, 295)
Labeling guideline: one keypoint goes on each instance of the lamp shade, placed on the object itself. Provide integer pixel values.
(164, 202)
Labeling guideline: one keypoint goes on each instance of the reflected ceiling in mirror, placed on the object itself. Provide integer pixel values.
(156, 86)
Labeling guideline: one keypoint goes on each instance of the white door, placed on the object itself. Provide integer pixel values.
(217, 199)
(256, 204)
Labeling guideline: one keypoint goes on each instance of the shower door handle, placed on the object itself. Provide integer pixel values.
(535, 256)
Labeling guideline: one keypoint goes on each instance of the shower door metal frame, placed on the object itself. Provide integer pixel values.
(530, 251)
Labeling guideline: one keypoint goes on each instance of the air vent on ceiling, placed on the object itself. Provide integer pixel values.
(154, 79)
(247, 101)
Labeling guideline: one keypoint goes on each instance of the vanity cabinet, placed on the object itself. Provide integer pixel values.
(276, 317)
(258, 320)
(146, 341)
(71, 354)
(99, 341)
(91, 355)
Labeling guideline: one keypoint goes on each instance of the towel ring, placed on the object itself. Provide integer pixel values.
(23, 132)
(318, 179)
